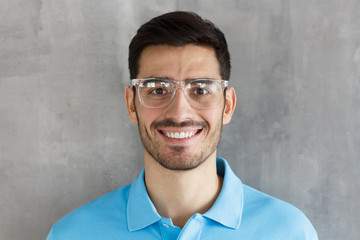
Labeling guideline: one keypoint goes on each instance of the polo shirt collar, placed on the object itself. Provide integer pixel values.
(228, 207)
(141, 212)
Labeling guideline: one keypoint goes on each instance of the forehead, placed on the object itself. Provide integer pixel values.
(179, 62)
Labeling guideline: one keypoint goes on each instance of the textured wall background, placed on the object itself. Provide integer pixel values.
(65, 137)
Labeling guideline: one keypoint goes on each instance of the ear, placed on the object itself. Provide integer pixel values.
(129, 98)
(230, 103)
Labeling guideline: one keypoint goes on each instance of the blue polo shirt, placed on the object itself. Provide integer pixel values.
(240, 212)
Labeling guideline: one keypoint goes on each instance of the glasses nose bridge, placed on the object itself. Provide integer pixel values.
(181, 85)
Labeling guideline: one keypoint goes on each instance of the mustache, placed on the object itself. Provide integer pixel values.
(171, 123)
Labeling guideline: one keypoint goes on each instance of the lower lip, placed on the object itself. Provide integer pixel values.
(180, 140)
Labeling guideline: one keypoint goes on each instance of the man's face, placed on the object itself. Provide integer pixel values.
(178, 136)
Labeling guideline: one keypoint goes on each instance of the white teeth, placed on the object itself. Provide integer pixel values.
(180, 135)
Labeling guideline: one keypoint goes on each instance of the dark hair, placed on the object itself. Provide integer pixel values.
(178, 29)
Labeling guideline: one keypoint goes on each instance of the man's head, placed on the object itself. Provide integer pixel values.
(179, 117)
(179, 29)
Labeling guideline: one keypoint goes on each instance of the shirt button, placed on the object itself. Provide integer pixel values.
(166, 225)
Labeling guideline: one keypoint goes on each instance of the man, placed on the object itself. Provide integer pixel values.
(179, 97)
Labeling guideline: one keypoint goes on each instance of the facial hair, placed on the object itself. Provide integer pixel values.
(178, 158)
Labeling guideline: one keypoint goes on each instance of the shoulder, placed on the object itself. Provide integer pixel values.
(276, 216)
(93, 217)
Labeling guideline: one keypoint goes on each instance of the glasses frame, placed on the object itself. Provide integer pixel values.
(178, 84)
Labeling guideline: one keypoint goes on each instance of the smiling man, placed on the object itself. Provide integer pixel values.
(179, 97)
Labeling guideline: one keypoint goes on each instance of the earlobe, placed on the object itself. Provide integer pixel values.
(230, 103)
(130, 104)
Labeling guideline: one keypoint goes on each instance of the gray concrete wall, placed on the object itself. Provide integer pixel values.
(65, 137)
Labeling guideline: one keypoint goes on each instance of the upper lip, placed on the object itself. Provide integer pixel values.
(171, 125)
(183, 129)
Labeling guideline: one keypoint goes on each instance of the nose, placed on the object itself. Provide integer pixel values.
(179, 109)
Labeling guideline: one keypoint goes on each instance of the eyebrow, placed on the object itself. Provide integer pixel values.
(158, 79)
(155, 77)
(188, 79)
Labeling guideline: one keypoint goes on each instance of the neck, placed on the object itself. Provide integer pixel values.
(180, 194)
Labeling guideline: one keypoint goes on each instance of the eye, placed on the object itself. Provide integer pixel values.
(201, 88)
(200, 91)
(158, 91)
(156, 87)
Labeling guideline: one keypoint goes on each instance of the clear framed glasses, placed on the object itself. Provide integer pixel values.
(200, 93)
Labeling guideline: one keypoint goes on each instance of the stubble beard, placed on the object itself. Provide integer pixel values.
(178, 158)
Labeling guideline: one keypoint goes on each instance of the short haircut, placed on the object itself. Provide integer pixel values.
(178, 29)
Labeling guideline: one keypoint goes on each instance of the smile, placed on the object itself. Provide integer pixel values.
(180, 135)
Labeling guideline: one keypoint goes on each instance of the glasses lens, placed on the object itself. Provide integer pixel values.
(204, 93)
(201, 93)
(155, 92)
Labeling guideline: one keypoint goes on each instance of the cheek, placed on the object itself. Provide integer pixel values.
(146, 116)
(213, 117)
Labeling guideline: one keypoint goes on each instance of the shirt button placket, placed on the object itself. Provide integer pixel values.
(168, 231)
(192, 230)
